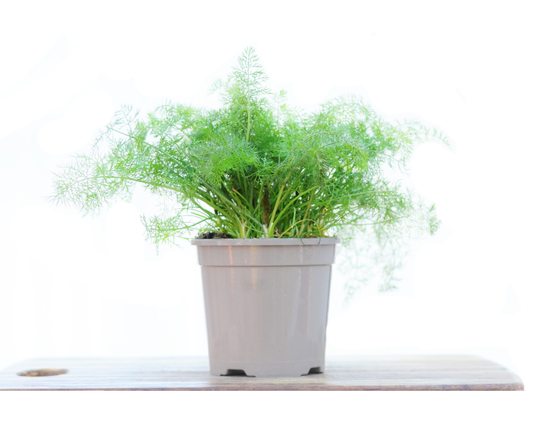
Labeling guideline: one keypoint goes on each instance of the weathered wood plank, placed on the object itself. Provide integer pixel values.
(422, 373)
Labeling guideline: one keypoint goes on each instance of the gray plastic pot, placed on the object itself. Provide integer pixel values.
(266, 303)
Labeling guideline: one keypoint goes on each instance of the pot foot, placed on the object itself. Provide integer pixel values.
(314, 370)
(236, 372)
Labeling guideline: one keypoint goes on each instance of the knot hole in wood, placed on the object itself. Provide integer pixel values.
(42, 372)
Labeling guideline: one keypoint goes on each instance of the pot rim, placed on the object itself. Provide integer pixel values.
(251, 242)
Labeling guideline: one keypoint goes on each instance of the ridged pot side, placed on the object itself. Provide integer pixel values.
(266, 304)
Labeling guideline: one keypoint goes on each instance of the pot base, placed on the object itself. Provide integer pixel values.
(278, 369)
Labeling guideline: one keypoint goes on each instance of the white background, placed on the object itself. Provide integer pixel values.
(90, 286)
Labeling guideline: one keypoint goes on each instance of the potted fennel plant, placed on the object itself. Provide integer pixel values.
(268, 191)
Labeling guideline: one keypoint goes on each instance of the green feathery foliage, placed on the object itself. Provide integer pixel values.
(257, 168)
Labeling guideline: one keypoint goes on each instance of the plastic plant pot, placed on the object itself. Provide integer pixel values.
(266, 303)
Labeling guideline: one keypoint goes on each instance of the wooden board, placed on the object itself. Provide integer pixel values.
(358, 373)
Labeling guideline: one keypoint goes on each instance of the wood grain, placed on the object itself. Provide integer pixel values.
(386, 373)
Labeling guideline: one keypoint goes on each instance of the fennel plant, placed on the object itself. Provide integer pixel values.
(257, 168)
